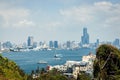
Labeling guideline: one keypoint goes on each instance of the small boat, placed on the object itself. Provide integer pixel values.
(57, 55)
(42, 62)
(57, 58)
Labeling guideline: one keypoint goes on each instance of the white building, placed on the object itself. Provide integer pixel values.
(81, 67)
(61, 68)
(86, 65)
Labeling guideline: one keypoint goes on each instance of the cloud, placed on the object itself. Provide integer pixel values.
(77, 14)
(103, 4)
(109, 13)
(14, 16)
(104, 13)
(24, 23)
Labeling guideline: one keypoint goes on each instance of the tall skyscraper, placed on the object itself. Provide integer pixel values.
(30, 41)
(55, 44)
(51, 44)
(85, 37)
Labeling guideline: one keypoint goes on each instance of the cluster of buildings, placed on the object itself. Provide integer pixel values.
(42, 45)
(75, 68)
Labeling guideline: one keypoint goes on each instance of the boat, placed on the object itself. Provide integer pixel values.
(57, 58)
(57, 55)
(42, 62)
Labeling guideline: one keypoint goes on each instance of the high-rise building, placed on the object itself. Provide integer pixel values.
(68, 44)
(30, 41)
(7, 45)
(35, 44)
(85, 37)
(51, 44)
(116, 42)
(55, 44)
(97, 43)
(40, 43)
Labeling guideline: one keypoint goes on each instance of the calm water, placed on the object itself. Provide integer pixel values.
(28, 60)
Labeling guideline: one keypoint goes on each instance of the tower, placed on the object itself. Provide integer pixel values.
(85, 37)
(55, 44)
(30, 41)
(50, 44)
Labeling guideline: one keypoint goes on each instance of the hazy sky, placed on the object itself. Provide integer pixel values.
(60, 20)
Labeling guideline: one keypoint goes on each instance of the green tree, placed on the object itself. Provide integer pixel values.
(10, 71)
(107, 63)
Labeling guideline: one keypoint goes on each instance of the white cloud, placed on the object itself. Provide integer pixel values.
(77, 14)
(103, 4)
(105, 13)
(12, 16)
(109, 12)
(24, 23)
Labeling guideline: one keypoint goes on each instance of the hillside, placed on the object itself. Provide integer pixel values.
(107, 63)
(10, 71)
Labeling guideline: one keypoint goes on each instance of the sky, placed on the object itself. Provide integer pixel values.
(60, 20)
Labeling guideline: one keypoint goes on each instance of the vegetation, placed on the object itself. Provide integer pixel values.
(10, 71)
(83, 76)
(51, 75)
(107, 63)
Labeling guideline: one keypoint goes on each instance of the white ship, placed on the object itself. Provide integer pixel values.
(42, 62)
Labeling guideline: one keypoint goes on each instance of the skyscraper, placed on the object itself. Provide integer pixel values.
(85, 37)
(116, 42)
(55, 44)
(68, 44)
(97, 43)
(30, 41)
(50, 44)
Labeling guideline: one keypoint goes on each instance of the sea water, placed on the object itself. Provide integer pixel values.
(28, 61)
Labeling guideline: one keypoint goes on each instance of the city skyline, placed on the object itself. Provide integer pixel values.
(60, 20)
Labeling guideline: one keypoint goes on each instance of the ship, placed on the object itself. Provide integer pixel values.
(57, 56)
(42, 62)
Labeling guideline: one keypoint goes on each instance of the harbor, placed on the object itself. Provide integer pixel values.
(28, 61)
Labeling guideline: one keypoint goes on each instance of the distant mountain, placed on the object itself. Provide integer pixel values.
(107, 63)
(10, 71)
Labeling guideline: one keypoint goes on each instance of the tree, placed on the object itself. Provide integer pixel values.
(107, 63)
(83, 76)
